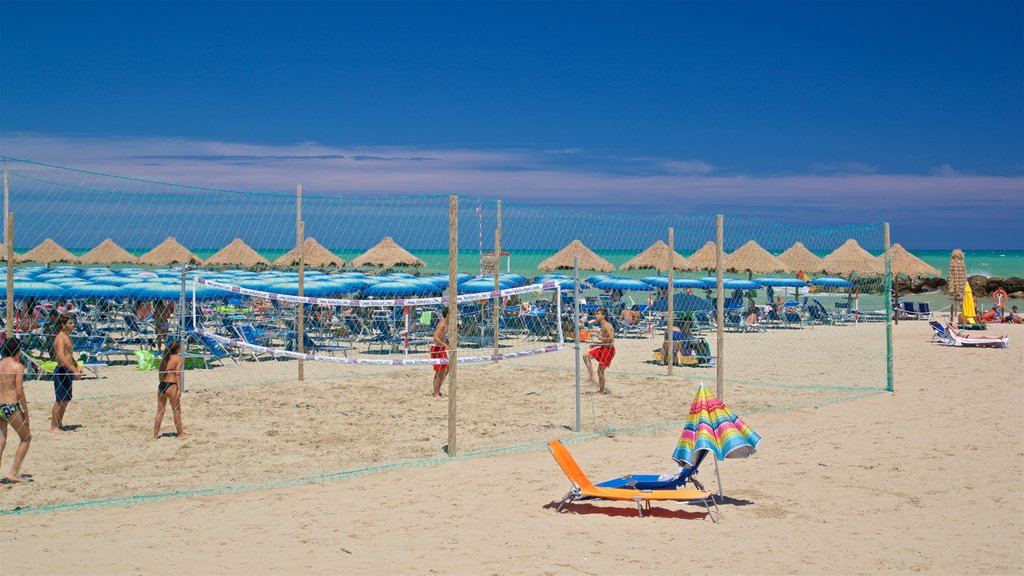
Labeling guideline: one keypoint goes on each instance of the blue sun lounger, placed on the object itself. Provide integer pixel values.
(659, 482)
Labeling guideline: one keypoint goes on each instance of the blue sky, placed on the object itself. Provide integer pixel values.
(804, 112)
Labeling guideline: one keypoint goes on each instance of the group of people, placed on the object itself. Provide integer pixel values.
(993, 316)
(14, 412)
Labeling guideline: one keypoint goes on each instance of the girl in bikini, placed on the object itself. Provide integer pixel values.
(13, 407)
(170, 388)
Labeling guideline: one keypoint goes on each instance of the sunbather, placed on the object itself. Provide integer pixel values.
(1014, 316)
(978, 339)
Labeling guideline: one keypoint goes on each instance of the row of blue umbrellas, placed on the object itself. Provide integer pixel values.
(71, 282)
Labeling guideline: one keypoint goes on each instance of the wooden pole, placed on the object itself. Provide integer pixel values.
(497, 274)
(298, 213)
(720, 308)
(9, 246)
(888, 310)
(669, 336)
(453, 316)
(300, 327)
(7, 205)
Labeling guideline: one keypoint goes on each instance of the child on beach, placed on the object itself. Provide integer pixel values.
(13, 406)
(169, 388)
(603, 351)
(439, 349)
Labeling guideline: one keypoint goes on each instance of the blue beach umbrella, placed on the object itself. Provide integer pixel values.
(399, 289)
(39, 290)
(108, 291)
(832, 282)
(662, 282)
(153, 290)
(480, 285)
(624, 284)
(311, 289)
(782, 282)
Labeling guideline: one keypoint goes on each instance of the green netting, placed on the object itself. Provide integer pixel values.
(257, 426)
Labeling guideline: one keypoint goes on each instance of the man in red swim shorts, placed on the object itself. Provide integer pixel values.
(439, 349)
(603, 351)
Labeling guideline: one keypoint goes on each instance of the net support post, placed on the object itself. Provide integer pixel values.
(670, 345)
(888, 310)
(497, 274)
(300, 321)
(576, 322)
(720, 307)
(9, 247)
(453, 317)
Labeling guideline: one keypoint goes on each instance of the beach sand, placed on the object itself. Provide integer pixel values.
(917, 481)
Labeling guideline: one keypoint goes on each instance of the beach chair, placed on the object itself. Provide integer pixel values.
(536, 328)
(250, 335)
(940, 333)
(95, 349)
(671, 481)
(309, 345)
(924, 311)
(583, 488)
(974, 341)
(212, 351)
(133, 332)
(906, 311)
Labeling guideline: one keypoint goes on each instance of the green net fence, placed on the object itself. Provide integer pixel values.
(804, 324)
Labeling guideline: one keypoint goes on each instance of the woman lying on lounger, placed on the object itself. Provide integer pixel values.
(975, 339)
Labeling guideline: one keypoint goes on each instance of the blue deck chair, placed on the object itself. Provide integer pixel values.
(924, 311)
(670, 481)
(940, 333)
(309, 345)
(95, 349)
(212, 351)
(536, 327)
(134, 332)
(250, 335)
(906, 311)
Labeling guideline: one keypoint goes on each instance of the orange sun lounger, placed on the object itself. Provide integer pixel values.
(583, 488)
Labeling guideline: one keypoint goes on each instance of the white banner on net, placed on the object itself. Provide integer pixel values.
(476, 296)
(381, 303)
(396, 362)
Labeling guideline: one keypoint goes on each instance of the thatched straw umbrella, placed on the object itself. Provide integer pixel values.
(169, 252)
(706, 258)
(904, 262)
(956, 280)
(237, 253)
(751, 257)
(386, 254)
(850, 258)
(106, 253)
(562, 260)
(800, 259)
(656, 257)
(314, 254)
(46, 252)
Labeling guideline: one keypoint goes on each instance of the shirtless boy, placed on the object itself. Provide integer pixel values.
(603, 351)
(13, 407)
(65, 373)
(439, 349)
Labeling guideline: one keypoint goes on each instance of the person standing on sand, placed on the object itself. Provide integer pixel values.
(439, 349)
(603, 351)
(169, 388)
(13, 406)
(65, 373)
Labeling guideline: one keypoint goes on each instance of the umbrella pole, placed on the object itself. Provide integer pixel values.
(718, 478)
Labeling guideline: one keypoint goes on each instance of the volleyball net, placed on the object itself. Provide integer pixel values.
(805, 314)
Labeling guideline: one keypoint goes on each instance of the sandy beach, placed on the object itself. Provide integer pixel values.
(344, 472)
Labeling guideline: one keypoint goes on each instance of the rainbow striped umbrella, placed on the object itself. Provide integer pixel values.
(712, 427)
